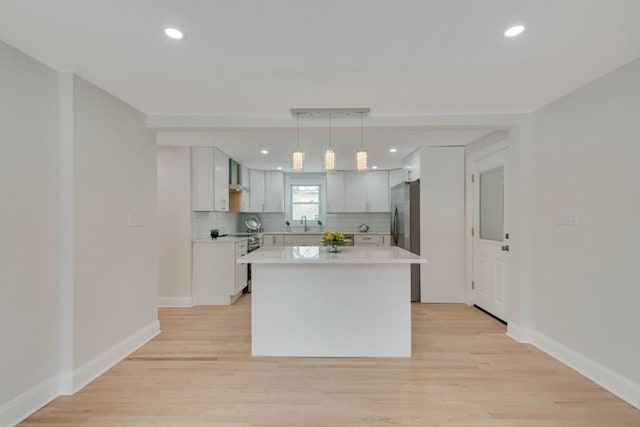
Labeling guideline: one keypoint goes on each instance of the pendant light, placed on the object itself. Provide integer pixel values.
(297, 156)
(330, 155)
(362, 156)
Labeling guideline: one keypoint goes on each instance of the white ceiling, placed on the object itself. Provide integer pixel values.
(257, 58)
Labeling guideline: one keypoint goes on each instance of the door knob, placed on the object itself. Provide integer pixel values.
(505, 248)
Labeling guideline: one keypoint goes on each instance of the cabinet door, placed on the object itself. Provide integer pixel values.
(274, 191)
(202, 171)
(302, 240)
(378, 191)
(221, 181)
(355, 191)
(245, 202)
(256, 196)
(270, 240)
(335, 191)
(241, 269)
(396, 176)
(411, 166)
(367, 239)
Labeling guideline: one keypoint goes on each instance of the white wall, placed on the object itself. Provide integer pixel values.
(28, 226)
(115, 265)
(442, 224)
(174, 226)
(586, 294)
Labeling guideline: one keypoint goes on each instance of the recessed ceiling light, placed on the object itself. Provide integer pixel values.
(374, 167)
(265, 151)
(393, 150)
(174, 33)
(514, 31)
(279, 168)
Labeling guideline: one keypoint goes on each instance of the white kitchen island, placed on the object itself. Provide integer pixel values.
(306, 301)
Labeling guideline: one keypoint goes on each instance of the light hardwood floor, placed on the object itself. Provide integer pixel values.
(464, 372)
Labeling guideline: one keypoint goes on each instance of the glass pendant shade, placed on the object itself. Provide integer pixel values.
(297, 160)
(362, 157)
(330, 160)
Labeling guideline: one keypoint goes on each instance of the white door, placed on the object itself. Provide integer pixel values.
(490, 236)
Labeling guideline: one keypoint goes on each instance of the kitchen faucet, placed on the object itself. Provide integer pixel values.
(303, 220)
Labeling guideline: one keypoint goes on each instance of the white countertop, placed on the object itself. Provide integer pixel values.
(225, 239)
(319, 233)
(319, 254)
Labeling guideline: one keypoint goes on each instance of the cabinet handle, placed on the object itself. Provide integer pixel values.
(273, 240)
(383, 240)
(263, 207)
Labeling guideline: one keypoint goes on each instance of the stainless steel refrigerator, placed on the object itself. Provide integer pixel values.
(405, 226)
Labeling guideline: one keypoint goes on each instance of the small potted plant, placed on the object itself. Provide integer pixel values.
(320, 225)
(288, 225)
(215, 233)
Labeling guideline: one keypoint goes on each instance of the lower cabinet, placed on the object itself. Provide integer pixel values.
(270, 240)
(217, 278)
(302, 240)
(372, 239)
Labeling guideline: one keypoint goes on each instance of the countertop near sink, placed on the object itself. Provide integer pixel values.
(225, 239)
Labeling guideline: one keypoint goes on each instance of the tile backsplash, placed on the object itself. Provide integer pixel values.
(233, 222)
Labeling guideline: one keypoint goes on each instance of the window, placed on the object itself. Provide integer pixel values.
(305, 201)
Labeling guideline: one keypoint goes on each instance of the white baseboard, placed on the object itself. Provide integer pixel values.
(212, 300)
(517, 333)
(29, 402)
(175, 302)
(617, 384)
(72, 382)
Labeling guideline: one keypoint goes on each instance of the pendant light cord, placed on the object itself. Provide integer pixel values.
(330, 132)
(361, 132)
(298, 131)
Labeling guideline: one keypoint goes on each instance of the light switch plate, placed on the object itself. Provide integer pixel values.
(135, 220)
(567, 218)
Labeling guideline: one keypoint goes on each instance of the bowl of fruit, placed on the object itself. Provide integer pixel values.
(333, 239)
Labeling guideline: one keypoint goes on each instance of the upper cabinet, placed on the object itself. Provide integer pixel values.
(209, 179)
(355, 192)
(358, 191)
(335, 192)
(411, 166)
(274, 191)
(267, 191)
(256, 195)
(378, 191)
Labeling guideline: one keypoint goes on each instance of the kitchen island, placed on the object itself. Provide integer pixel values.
(306, 301)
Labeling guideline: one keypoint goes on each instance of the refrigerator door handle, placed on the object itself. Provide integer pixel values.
(394, 227)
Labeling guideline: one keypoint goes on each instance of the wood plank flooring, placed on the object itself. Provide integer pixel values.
(464, 372)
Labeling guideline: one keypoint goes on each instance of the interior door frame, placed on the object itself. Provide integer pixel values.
(470, 186)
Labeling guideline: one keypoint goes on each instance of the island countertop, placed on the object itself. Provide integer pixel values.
(320, 255)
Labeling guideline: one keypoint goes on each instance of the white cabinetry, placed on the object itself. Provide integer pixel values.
(256, 195)
(335, 191)
(302, 240)
(267, 191)
(358, 191)
(270, 240)
(209, 179)
(217, 279)
(355, 191)
(274, 191)
(411, 166)
(396, 176)
(372, 239)
(377, 191)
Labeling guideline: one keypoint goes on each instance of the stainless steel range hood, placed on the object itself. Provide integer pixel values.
(236, 180)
